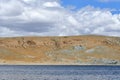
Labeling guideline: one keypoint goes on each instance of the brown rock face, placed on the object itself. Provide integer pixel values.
(60, 50)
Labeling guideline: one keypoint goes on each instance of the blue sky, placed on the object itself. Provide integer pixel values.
(96, 3)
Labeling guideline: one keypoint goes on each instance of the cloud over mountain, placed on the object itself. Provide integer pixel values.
(50, 18)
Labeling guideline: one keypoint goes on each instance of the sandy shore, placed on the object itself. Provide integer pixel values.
(83, 64)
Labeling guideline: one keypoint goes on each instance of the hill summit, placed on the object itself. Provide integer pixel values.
(72, 50)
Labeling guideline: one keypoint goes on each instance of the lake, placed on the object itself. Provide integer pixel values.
(50, 72)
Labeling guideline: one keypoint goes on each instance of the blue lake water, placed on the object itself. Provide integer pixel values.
(35, 72)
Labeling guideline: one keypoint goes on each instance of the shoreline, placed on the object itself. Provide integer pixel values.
(22, 63)
(58, 64)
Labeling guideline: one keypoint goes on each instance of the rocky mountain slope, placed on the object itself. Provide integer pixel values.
(96, 50)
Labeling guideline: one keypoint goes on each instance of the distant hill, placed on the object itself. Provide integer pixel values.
(72, 50)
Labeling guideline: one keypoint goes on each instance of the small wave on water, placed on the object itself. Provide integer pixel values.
(40, 72)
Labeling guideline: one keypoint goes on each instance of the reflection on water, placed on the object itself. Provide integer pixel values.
(59, 72)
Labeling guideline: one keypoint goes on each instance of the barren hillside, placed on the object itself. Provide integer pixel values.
(60, 50)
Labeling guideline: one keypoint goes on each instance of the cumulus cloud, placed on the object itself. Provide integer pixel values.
(50, 18)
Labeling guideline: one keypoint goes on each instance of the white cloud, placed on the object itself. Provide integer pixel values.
(6, 31)
(51, 4)
(11, 8)
(49, 18)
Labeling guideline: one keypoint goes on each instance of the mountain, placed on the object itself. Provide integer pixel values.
(67, 50)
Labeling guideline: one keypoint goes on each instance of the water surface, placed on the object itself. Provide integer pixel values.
(36, 72)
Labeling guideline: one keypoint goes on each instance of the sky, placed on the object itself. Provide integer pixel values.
(59, 17)
(113, 4)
